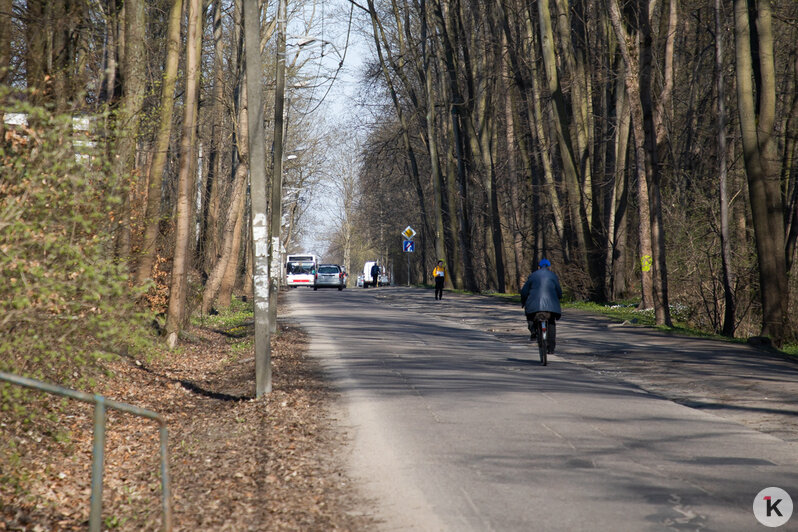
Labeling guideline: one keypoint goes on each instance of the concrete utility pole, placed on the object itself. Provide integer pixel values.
(257, 176)
(277, 174)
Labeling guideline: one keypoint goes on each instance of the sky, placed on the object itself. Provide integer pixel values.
(332, 26)
(338, 98)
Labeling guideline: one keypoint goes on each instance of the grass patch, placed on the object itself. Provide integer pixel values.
(627, 310)
(621, 311)
(239, 348)
(508, 298)
(790, 349)
(238, 314)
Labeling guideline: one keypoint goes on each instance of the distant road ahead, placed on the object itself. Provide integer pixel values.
(458, 429)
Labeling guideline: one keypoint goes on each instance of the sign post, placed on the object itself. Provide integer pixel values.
(408, 246)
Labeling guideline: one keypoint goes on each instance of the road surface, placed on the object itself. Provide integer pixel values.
(457, 428)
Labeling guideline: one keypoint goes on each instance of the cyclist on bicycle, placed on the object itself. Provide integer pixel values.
(542, 293)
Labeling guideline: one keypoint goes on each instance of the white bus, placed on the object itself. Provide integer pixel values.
(300, 270)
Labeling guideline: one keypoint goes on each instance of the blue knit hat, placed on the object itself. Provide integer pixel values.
(544, 263)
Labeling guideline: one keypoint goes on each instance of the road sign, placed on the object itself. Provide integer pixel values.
(408, 246)
(409, 232)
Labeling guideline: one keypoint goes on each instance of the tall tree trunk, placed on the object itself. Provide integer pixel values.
(5, 43)
(133, 92)
(413, 164)
(276, 185)
(456, 113)
(536, 118)
(108, 87)
(231, 271)
(153, 210)
(789, 169)
(496, 225)
(5, 52)
(515, 189)
(759, 152)
(177, 292)
(432, 142)
(562, 126)
(455, 211)
(725, 243)
(234, 209)
(581, 104)
(36, 50)
(616, 219)
(631, 79)
(212, 200)
(662, 312)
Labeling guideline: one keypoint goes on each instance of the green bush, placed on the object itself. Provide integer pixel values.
(64, 299)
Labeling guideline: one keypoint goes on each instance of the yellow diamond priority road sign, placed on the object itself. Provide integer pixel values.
(409, 232)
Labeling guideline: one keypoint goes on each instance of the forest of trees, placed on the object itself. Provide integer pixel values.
(648, 148)
(124, 190)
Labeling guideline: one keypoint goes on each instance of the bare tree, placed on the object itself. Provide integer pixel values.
(153, 208)
(234, 210)
(178, 285)
(756, 78)
(134, 72)
(725, 242)
(5, 41)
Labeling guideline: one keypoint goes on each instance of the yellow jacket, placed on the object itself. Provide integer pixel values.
(439, 271)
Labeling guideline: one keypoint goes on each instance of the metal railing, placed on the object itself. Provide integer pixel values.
(100, 405)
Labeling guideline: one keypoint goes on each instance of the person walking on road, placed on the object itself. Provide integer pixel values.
(439, 273)
(375, 274)
(542, 293)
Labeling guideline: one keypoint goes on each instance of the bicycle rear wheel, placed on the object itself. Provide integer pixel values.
(543, 346)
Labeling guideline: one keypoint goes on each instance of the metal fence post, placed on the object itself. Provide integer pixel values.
(97, 456)
(166, 494)
(98, 450)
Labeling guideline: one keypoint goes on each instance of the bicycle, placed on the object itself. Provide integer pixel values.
(541, 321)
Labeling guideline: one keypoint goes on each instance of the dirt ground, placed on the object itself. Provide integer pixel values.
(236, 464)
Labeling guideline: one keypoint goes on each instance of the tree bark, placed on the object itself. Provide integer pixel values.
(432, 142)
(662, 314)
(236, 205)
(110, 60)
(581, 104)
(153, 210)
(379, 38)
(789, 170)
(134, 70)
(5, 43)
(759, 153)
(725, 242)
(460, 184)
(5, 53)
(631, 77)
(35, 49)
(536, 119)
(616, 219)
(212, 200)
(515, 186)
(562, 126)
(177, 290)
(231, 271)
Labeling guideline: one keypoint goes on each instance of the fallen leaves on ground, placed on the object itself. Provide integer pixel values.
(236, 463)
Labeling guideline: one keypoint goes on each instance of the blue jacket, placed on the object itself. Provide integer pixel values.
(542, 292)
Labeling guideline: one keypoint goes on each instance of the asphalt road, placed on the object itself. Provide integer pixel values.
(455, 426)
